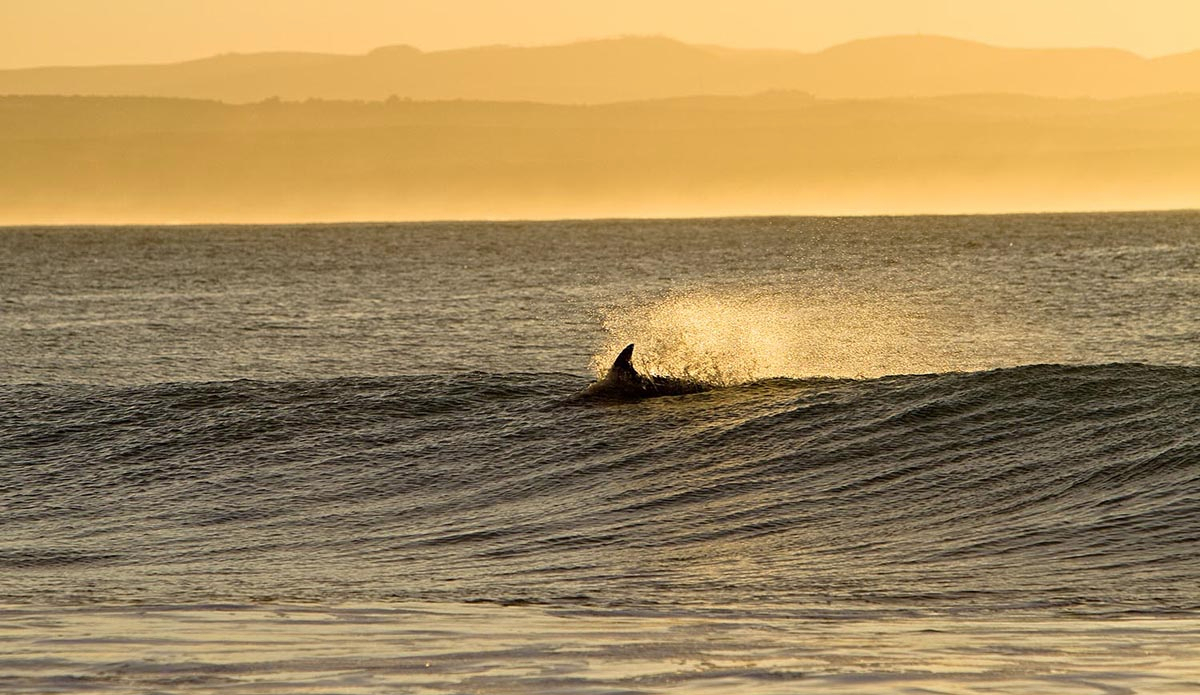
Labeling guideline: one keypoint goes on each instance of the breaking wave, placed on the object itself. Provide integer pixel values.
(1042, 484)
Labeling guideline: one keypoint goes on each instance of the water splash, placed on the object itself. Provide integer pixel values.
(732, 336)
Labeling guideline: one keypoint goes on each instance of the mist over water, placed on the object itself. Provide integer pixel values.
(954, 453)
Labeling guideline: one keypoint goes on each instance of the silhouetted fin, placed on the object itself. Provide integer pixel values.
(623, 365)
(623, 381)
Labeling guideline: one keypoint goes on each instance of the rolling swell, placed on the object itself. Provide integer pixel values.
(1061, 485)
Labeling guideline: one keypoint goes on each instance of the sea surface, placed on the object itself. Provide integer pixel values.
(940, 455)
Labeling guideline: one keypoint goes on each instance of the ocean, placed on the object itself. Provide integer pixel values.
(952, 454)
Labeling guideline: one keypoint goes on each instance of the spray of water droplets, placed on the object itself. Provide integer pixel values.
(731, 336)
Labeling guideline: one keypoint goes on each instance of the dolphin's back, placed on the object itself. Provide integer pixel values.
(623, 381)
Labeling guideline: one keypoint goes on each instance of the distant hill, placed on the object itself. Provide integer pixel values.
(634, 68)
(152, 160)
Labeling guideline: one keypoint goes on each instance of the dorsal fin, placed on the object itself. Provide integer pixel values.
(623, 382)
(623, 365)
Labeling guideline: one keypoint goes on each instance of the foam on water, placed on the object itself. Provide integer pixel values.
(445, 648)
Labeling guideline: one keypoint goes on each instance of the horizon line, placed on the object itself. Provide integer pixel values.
(4, 226)
(600, 39)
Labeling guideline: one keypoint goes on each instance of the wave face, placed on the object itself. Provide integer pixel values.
(223, 415)
(1040, 485)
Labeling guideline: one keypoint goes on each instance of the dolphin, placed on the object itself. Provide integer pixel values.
(623, 381)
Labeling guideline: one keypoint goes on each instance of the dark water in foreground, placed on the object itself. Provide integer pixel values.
(949, 454)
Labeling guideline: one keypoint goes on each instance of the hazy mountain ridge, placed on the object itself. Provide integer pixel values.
(626, 69)
(122, 159)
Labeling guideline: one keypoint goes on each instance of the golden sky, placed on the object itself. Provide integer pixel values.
(89, 32)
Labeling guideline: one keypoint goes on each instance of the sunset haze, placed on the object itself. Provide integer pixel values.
(74, 32)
